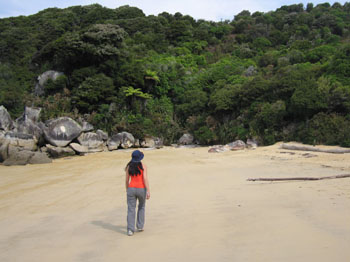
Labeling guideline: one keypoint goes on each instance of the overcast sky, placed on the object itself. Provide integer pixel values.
(215, 10)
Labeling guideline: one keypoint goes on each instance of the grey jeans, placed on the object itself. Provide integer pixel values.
(134, 194)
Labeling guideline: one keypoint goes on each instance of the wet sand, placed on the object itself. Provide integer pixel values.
(202, 208)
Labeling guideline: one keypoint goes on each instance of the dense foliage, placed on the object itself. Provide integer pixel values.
(281, 75)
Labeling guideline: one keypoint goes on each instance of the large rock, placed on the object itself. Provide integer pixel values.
(57, 152)
(236, 145)
(90, 140)
(127, 141)
(61, 131)
(186, 139)
(84, 149)
(32, 113)
(4, 144)
(19, 158)
(27, 126)
(40, 158)
(6, 122)
(148, 141)
(137, 142)
(152, 142)
(252, 143)
(87, 127)
(218, 149)
(39, 89)
(159, 142)
(113, 142)
(103, 135)
(21, 141)
(123, 139)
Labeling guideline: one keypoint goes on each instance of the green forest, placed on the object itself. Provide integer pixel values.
(283, 75)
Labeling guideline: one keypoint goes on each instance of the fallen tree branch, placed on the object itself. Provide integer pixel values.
(298, 178)
(315, 149)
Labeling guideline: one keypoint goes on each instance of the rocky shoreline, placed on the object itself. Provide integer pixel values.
(27, 140)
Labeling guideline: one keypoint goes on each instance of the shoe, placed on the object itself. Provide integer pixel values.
(140, 229)
(130, 233)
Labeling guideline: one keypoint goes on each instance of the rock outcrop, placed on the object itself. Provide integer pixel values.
(61, 131)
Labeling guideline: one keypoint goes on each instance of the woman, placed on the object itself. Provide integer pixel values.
(137, 188)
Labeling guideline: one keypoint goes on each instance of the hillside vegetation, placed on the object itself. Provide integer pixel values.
(281, 75)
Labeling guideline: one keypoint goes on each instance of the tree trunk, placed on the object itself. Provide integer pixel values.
(315, 149)
(298, 178)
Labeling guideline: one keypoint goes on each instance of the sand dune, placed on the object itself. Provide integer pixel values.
(201, 208)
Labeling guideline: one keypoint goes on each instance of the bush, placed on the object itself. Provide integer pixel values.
(327, 129)
(204, 135)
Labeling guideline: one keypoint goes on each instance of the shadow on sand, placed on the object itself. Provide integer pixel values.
(119, 229)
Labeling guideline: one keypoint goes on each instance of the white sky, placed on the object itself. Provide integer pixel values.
(215, 10)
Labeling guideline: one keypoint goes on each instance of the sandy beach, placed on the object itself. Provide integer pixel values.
(202, 208)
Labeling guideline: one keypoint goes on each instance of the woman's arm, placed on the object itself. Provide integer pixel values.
(127, 177)
(145, 180)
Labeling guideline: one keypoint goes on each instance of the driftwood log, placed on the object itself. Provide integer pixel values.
(298, 178)
(315, 149)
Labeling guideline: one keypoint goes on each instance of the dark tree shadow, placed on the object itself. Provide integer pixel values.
(119, 229)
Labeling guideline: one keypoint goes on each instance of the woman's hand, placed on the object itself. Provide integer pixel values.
(148, 195)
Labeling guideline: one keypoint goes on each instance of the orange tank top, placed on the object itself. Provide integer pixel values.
(137, 181)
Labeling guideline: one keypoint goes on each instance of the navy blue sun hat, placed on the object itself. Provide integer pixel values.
(136, 156)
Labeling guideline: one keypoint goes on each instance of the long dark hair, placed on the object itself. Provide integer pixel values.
(134, 168)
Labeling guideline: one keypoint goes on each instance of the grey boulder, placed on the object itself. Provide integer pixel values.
(28, 126)
(87, 127)
(186, 139)
(21, 141)
(252, 143)
(57, 152)
(84, 149)
(61, 131)
(123, 139)
(236, 145)
(4, 144)
(90, 140)
(40, 158)
(148, 141)
(152, 142)
(218, 149)
(32, 113)
(6, 122)
(103, 135)
(19, 158)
